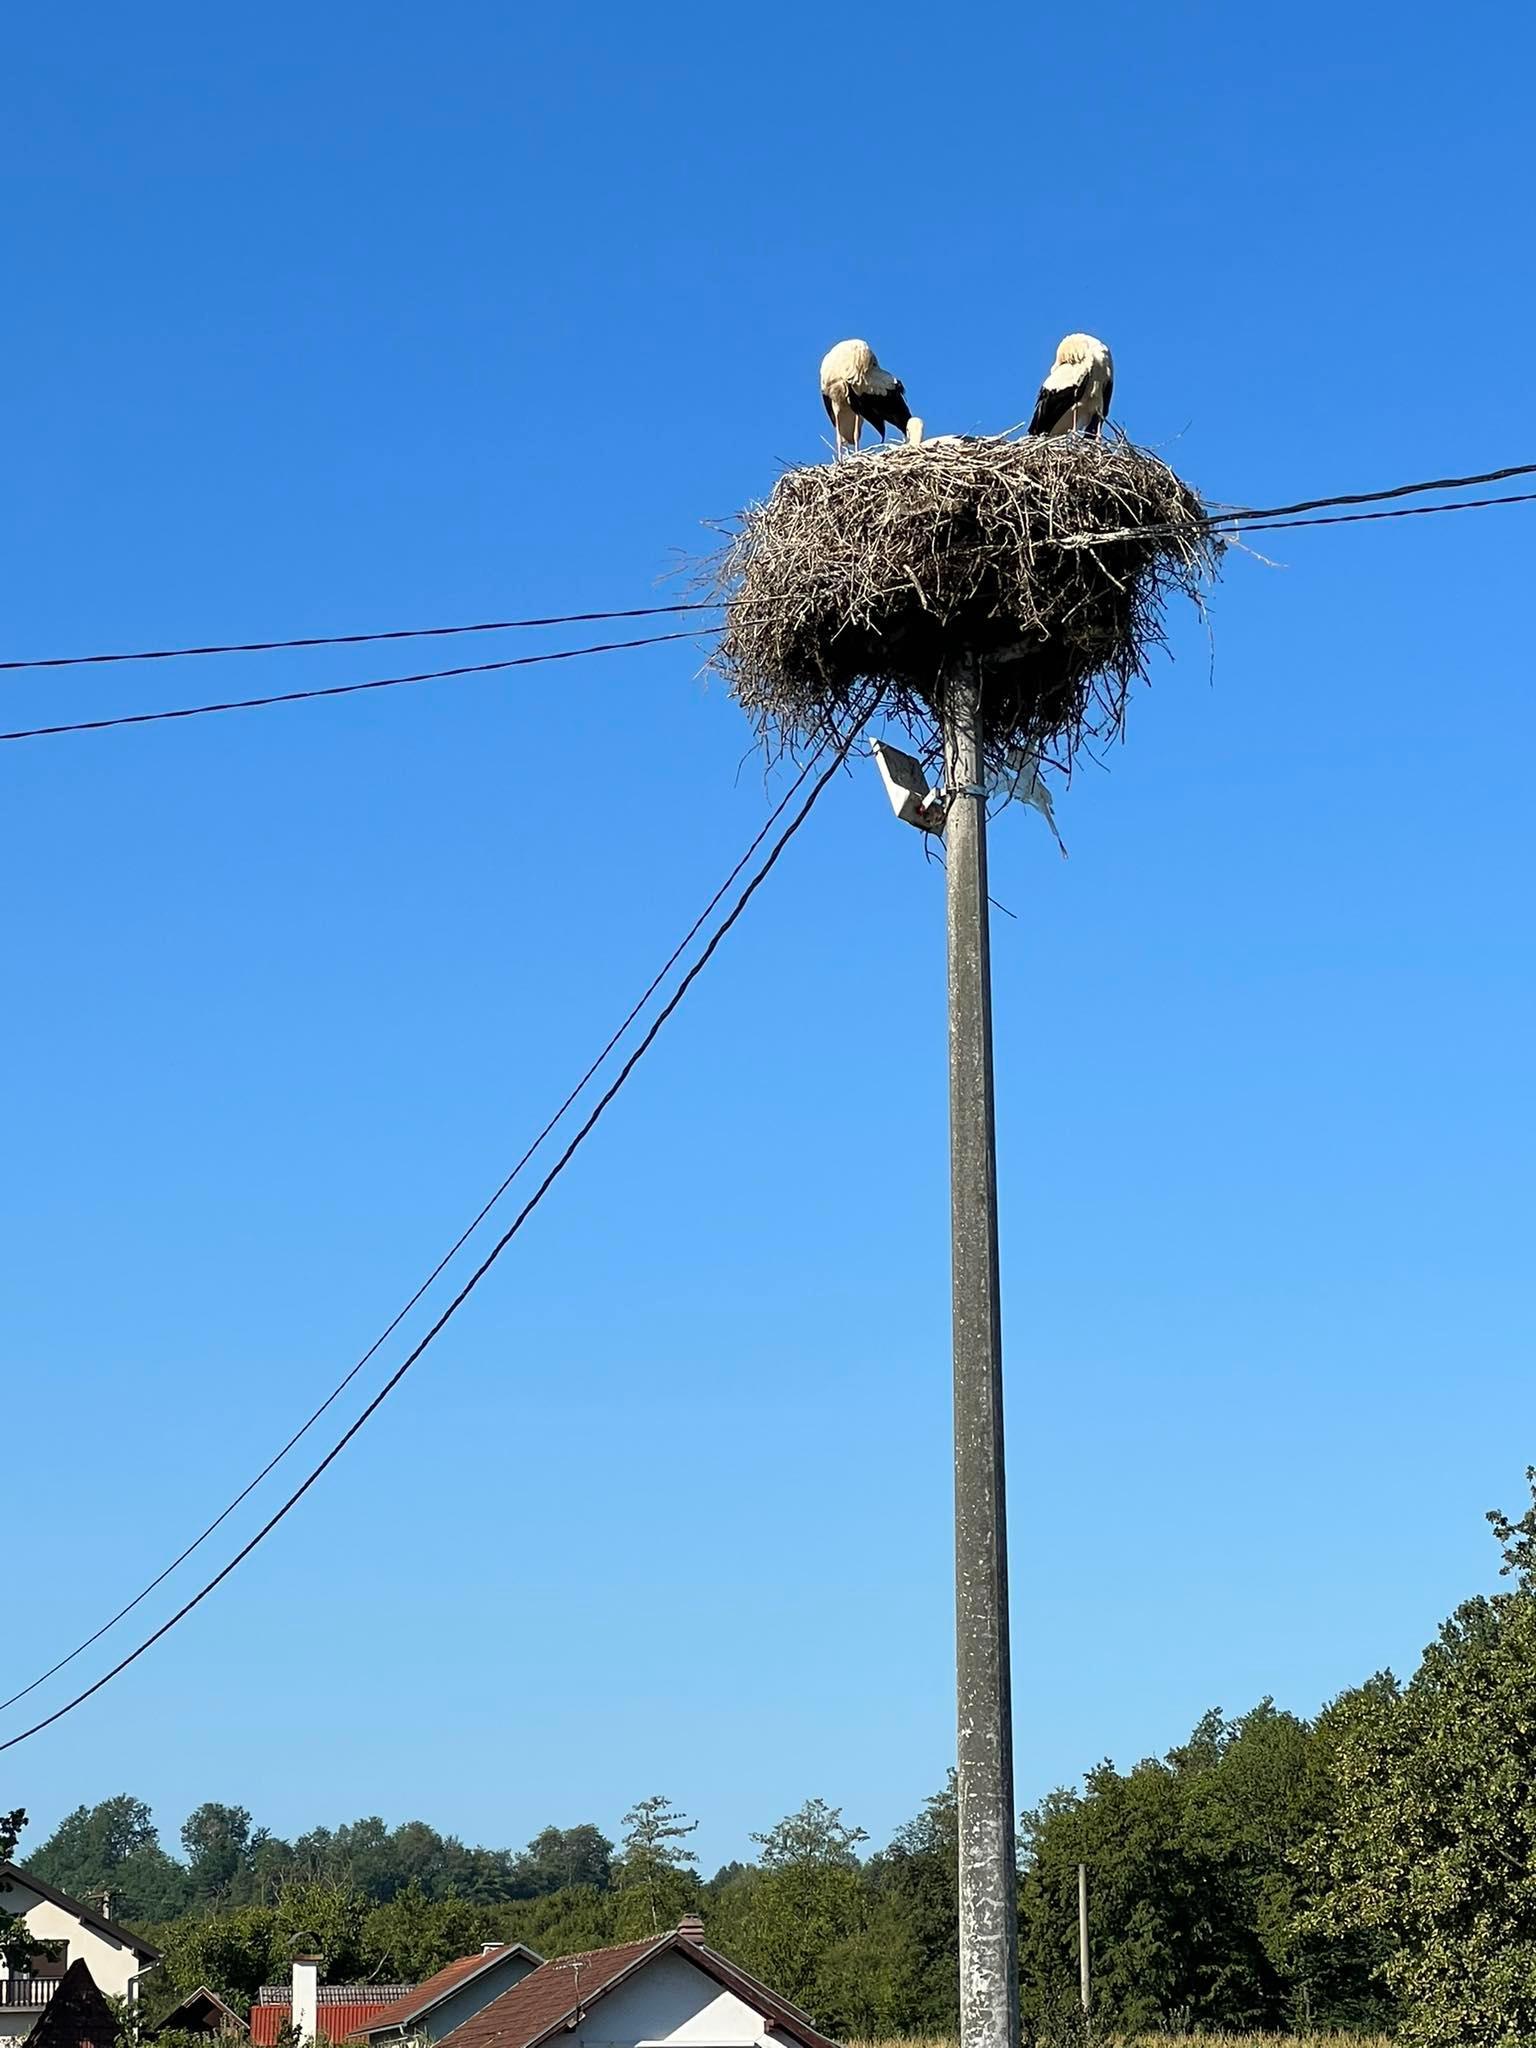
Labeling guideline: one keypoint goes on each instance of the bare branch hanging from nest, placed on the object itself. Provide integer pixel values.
(1048, 562)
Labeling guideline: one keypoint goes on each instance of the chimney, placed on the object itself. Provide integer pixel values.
(691, 1927)
(305, 2014)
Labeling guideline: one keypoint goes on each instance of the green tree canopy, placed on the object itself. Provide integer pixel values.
(112, 1847)
(413, 1936)
(15, 1942)
(558, 1857)
(217, 1841)
(807, 1913)
(236, 1951)
(656, 1875)
(1434, 1854)
(897, 1972)
(1202, 1870)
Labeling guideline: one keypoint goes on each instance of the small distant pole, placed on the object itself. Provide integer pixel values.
(1083, 1983)
(989, 1911)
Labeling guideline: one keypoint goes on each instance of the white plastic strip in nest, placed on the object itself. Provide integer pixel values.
(1019, 781)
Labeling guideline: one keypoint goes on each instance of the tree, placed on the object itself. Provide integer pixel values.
(218, 1843)
(814, 1837)
(808, 1902)
(729, 1904)
(380, 1862)
(1202, 1872)
(234, 1953)
(1146, 1904)
(898, 1972)
(327, 1916)
(558, 1857)
(566, 1922)
(414, 1936)
(91, 1843)
(269, 1865)
(1434, 1852)
(657, 1879)
(15, 1941)
(112, 1847)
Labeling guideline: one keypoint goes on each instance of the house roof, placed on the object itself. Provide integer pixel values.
(415, 2004)
(203, 2002)
(77, 2016)
(337, 2016)
(567, 1987)
(13, 1873)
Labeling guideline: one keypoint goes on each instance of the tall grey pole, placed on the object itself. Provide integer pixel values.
(1083, 1984)
(989, 1929)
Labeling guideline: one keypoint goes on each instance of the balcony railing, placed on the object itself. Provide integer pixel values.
(27, 1991)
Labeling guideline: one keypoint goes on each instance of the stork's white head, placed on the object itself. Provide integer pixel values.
(1079, 349)
(847, 360)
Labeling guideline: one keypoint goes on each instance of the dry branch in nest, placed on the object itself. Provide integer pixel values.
(1047, 563)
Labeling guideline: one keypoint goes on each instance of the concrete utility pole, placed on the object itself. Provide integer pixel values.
(1083, 1985)
(989, 1928)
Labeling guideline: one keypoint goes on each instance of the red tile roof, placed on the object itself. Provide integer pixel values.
(540, 2005)
(535, 2007)
(449, 1978)
(337, 2018)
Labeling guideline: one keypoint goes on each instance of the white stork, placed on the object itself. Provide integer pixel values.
(1075, 395)
(855, 389)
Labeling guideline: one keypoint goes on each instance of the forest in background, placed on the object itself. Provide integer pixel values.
(1370, 1870)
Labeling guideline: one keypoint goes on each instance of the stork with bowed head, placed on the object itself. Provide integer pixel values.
(1075, 395)
(858, 393)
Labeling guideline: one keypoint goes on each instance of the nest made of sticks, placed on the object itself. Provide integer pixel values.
(1046, 563)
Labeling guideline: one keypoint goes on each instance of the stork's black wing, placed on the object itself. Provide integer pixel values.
(897, 410)
(882, 409)
(1054, 404)
(1109, 390)
(831, 408)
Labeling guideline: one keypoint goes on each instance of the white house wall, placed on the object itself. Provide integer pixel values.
(112, 1963)
(672, 2001)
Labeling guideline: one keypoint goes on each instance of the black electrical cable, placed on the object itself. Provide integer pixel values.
(1215, 516)
(1246, 525)
(491, 1257)
(452, 1253)
(643, 611)
(431, 675)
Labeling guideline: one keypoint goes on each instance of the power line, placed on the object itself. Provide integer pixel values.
(1234, 525)
(1214, 516)
(554, 1173)
(448, 1257)
(1261, 520)
(1247, 525)
(1439, 483)
(644, 611)
(432, 675)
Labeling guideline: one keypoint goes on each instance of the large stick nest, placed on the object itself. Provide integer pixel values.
(1046, 563)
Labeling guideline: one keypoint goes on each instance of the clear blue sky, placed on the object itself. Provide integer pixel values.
(351, 316)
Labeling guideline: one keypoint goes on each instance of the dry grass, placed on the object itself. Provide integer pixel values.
(1179, 2041)
(1047, 564)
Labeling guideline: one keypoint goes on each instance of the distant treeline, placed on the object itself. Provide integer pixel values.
(1373, 1869)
